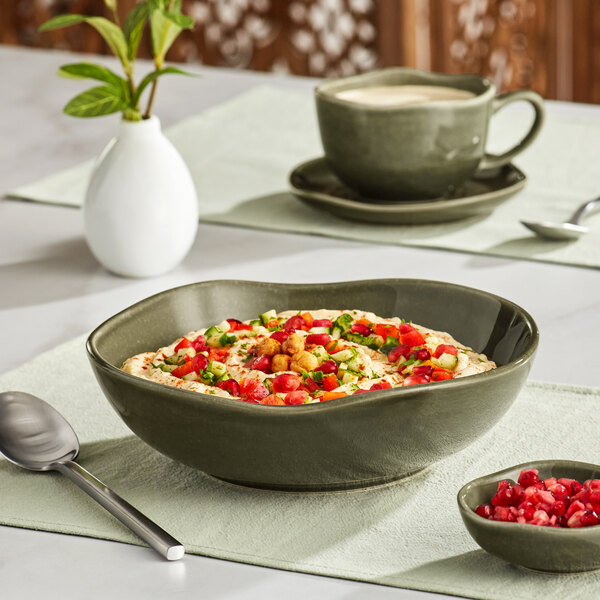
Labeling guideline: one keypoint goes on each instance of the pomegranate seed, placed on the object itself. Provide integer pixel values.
(286, 382)
(329, 366)
(575, 519)
(540, 517)
(502, 485)
(250, 400)
(422, 354)
(200, 362)
(485, 510)
(322, 323)
(262, 363)
(589, 518)
(230, 385)
(559, 508)
(573, 508)
(361, 329)
(319, 339)
(595, 500)
(423, 369)
(199, 344)
(416, 379)
(503, 513)
(528, 478)
(294, 323)
(298, 397)
(395, 353)
(280, 336)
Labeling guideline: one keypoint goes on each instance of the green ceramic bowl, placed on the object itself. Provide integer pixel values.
(532, 546)
(358, 441)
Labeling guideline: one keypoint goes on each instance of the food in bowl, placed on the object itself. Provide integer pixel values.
(304, 357)
(562, 502)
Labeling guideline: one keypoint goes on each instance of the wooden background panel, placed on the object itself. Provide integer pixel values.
(551, 46)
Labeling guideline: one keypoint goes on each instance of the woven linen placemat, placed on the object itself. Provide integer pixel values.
(408, 534)
(240, 154)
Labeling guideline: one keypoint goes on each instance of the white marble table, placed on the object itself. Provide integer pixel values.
(51, 289)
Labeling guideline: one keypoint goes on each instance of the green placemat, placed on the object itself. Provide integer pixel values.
(241, 152)
(408, 534)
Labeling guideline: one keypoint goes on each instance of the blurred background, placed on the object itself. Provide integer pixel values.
(551, 46)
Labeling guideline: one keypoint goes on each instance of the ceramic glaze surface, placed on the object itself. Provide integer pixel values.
(533, 546)
(413, 151)
(349, 442)
(140, 210)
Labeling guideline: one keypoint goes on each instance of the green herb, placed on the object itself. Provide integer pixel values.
(119, 93)
(480, 359)
(389, 344)
(227, 340)
(344, 322)
(318, 376)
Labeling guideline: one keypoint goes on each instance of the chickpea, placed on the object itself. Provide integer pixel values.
(304, 361)
(269, 347)
(293, 345)
(280, 362)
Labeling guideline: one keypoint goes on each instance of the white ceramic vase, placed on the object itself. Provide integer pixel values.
(140, 210)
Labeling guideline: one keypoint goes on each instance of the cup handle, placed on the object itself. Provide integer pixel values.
(491, 161)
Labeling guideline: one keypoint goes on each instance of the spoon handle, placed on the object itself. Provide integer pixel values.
(150, 532)
(584, 210)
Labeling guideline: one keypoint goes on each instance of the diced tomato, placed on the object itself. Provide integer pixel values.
(412, 338)
(273, 400)
(308, 319)
(359, 391)
(364, 322)
(253, 389)
(184, 343)
(218, 354)
(311, 385)
(332, 396)
(297, 397)
(322, 323)
(236, 325)
(395, 353)
(333, 346)
(184, 369)
(386, 330)
(273, 324)
(445, 349)
(441, 375)
(330, 382)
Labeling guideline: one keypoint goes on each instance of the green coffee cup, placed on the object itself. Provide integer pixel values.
(414, 151)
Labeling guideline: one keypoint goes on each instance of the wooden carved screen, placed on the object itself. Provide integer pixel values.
(551, 46)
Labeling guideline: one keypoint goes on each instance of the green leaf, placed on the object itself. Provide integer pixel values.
(92, 71)
(148, 79)
(164, 32)
(61, 21)
(112, 34)
(95, 102)
(180, 20)
(133, 28)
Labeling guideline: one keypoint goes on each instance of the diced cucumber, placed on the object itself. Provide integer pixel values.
(336, 333)
(319, 330)
(166, 368)
(224, 326)
(190, 376)
(320, 353)
(267, 316)
(350, 377)
(344, 322)
(213, 335)
(446, 361)
(217, 368)
(390, 344)
(373, 341)
(355, 338)
(343, 355)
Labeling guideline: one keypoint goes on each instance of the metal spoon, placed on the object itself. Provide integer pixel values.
(569, 230)
(35, 436)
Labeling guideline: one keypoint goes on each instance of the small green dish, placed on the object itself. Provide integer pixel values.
(547, 549)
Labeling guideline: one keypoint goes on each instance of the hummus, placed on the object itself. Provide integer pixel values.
(301, 357)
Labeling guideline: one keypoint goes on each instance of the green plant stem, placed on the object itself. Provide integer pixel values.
(151, 98)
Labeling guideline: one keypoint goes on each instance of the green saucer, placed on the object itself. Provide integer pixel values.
(314, 183)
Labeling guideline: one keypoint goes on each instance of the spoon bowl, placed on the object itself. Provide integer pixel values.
(548, 549)
(35, 436)
(556, 231)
